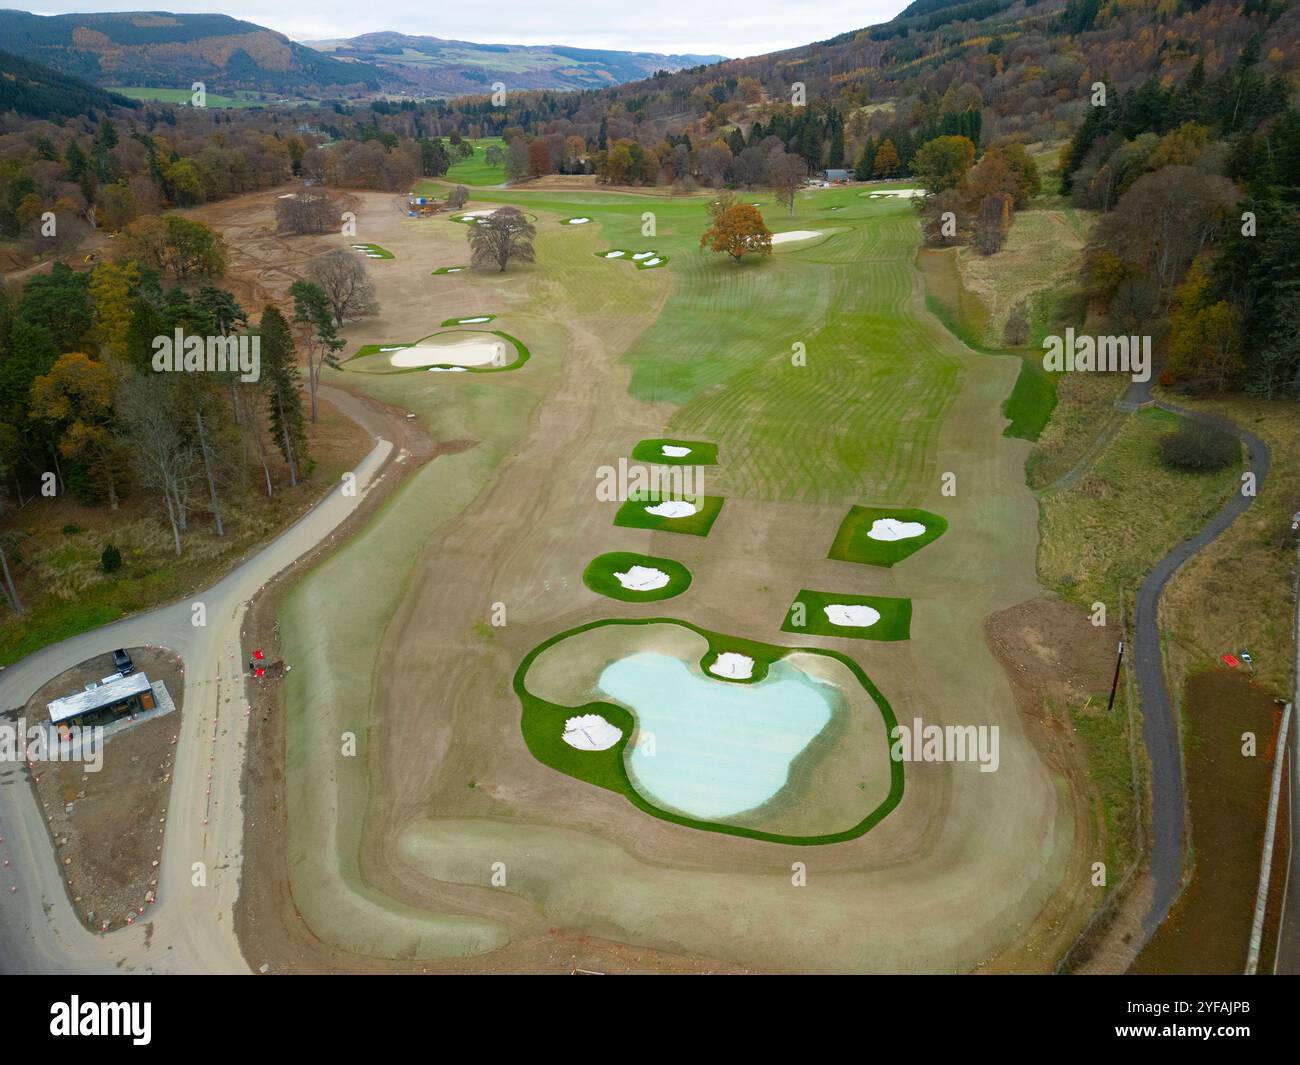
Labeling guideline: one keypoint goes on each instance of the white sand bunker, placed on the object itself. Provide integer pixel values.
(675, 452)
(652, 262)
(733, 666)
(578, 221)
(795, 234)
(615, 254)
(672, 508)
(591, 732)
(642, 578)
(459, 353)
(856, 616)
(893, 529)
(479, 214)
(447, 369)
(905, 194)
(474, 321)
(644, 255)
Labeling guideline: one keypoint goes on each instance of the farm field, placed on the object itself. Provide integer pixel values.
(620, 356)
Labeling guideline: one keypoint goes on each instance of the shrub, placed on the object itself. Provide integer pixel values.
(1200, 445)
(110, 561)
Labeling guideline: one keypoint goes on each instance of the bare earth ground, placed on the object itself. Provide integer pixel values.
(969, 864)
(107, 826)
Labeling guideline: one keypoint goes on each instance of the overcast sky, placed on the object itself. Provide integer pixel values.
(735, 29)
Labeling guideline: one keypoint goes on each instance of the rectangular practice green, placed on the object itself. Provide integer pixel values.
(857, 617)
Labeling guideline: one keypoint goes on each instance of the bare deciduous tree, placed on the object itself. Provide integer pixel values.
(164, 458)
(308, 211)
(346, 284)
(504, 235)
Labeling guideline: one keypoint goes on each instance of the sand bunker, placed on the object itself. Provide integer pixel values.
(447, 369)
(733, 666)
(893, 529)
(474, 321)
(615, 254)
(643, 255)
(795, 234)
(675, 452)
(578, 221)
(591, 732)
(906, 194)
(856, 616)
(642, 578)
(672, 508)
(459, 353)
(478, 214)
(652, 262)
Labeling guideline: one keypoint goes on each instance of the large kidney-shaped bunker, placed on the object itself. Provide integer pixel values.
(729, 735)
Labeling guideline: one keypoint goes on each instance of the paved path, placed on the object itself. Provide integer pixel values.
(1159, 726)
(189, 929)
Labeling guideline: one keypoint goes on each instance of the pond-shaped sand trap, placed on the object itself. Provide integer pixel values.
(483, 350)
(797, 752)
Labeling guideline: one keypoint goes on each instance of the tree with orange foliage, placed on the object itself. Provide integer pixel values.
(77, 395)
(739, 230)
(887, 162)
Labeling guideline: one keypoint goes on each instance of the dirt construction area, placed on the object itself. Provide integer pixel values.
(395, 818)
(107, 822)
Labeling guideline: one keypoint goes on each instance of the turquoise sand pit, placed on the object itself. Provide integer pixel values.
(719, 748)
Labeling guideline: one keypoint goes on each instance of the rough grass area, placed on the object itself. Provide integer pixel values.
(809, 607)
(633, 514)
(542, 724)
(702, 453)
(852, 544)
(1084, 410)
(600, 577)
(1124, 515)
(55, 544)
(1249, 571)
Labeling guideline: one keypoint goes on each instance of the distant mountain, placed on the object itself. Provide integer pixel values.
(159, 49)
(433, 66)
(39, 92)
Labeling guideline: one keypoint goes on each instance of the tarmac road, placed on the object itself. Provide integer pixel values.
(189, 928)
(1159, 726)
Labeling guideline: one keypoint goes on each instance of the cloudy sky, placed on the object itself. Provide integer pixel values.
(736, 29)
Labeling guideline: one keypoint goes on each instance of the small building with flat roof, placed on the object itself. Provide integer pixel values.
(104, 703)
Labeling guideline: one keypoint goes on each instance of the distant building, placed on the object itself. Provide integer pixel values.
(102, 704)
(837, 176)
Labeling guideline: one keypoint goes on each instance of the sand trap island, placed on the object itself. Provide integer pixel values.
(795, 751)
(591, 732)
(889, 529)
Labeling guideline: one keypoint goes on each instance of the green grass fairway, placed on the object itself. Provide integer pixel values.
(373, 251)
(1031, 402)
(542, 724)
(895, 616)
(474, 170)
(599, 576)
(633, 515)
(702, 452)
(852, 544)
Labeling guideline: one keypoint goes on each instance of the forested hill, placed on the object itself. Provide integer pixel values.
(156, 48)
(39, 92)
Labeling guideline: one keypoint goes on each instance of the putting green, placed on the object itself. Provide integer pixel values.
(601, 575)
(702, 453)
(552, 679)
(634, 515)
(808, 613)
(855, 543)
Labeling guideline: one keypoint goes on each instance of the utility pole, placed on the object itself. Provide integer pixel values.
(1114, 684)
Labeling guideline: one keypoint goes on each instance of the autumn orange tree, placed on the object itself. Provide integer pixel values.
(77, 395)
(739, 230)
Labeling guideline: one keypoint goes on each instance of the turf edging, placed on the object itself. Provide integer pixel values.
(599, 576)
(542, 725)
(633, 514)
(702, 453)
(852, 544)
(895, 616)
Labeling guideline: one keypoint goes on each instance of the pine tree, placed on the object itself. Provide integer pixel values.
(280, 369)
